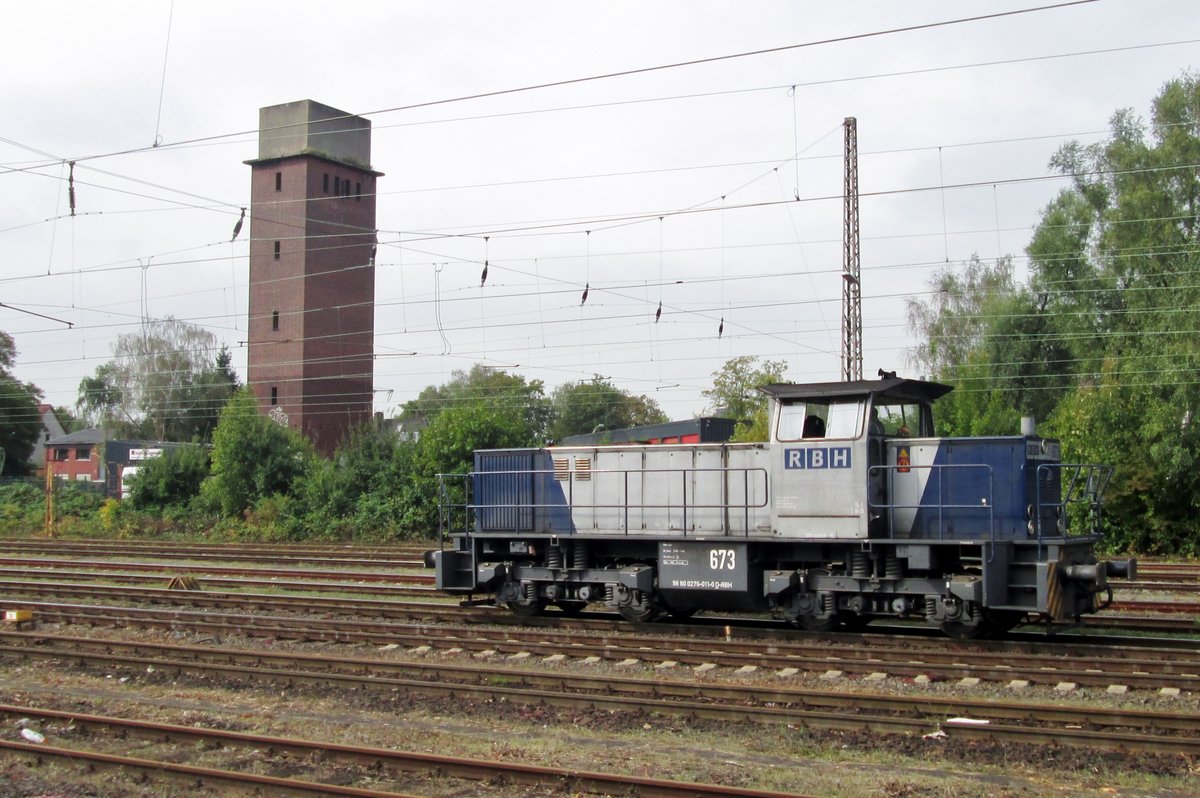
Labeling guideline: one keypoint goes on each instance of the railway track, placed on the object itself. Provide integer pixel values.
(398, 588)
(363, 582)
(98, 584)
(105, 584)
(195, 568)
(19, 593)
(406, 547)
(152, 548)
(1094, 666)
(266, 749)
(1028, 724)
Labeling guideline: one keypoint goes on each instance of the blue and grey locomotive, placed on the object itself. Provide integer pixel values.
(852, 510)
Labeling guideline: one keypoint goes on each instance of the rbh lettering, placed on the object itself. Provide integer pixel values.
(817, 457)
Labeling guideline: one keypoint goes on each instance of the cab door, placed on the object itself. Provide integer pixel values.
(819, 468)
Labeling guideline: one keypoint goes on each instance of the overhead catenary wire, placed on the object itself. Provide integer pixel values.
(636, 71)
(446, 298)
(1084, 290)
(646, 216)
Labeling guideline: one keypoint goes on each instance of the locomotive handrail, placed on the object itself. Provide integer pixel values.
(446, 507)
(987, 502)
(1084, 484)
(568, 501)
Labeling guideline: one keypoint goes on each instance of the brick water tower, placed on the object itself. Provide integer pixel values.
(312, 270)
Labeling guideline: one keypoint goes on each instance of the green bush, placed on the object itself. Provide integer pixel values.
(22, 508)
(252, 458)
(171, 480)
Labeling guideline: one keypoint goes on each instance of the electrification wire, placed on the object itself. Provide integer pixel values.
(635, 71)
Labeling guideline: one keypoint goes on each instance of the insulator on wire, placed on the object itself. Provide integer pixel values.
(237, 226)
(721, 329)
(483, 277)
(658, 313)
(586, 288)
(71, 187)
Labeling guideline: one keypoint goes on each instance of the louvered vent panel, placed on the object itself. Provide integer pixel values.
(583, 469)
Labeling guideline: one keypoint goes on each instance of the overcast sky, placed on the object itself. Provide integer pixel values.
(714, 188)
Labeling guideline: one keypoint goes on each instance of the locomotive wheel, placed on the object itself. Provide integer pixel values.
(638, 613)
(641, 610)
(1001, 621)
(527, 608)
(811, 623)
(994, 623)
(965, 631)
(571, 607)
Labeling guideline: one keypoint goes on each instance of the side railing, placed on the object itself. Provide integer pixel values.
(1080, 486)
(943, 475)
(460, 507)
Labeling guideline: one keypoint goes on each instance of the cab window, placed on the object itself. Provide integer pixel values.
(897, 419)
(813, 420)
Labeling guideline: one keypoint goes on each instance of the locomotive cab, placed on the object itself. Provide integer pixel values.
(833, 441)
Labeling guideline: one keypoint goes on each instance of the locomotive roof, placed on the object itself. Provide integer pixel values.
(891, 387)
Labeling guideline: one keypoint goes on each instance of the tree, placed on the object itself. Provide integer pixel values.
(361, 488)
(203, 397)
(1137, 195)
(253, 457)
(173, 479)
(735, 391)
(588, 405)
(955, 321)
(20, 421)
(448, 446)
(981, 333)
(70, 422)
(509, 393)
(163, 382)
(1100, 342)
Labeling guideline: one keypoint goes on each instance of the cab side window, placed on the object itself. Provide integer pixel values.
(899, 420)
(815, 420)
(791, 422)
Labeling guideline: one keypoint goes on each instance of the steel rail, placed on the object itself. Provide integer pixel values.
(200, 568)
(299, 586)
(1189, 623)
(1173, 669)
(1158, 586)
(1131, 605)
(729, 703)
(456, 767)
(191, 774)
(1158, 623)
(409, 610)
(336, 549)
(13, 591)
(331, 559)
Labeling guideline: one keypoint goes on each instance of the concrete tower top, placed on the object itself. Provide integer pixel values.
(306, 127)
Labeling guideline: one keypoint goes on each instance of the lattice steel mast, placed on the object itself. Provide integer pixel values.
(851, 285)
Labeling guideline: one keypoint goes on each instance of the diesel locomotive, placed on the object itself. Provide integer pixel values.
(853, 510)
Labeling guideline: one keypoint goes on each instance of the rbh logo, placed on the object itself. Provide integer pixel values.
(831, 457)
